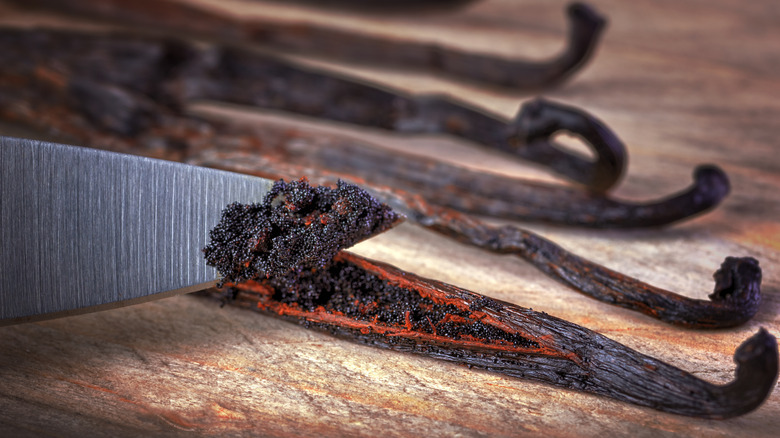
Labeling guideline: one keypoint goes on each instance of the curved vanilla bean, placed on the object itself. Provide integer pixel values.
(529, 135)
(495, 195)
(376, 304)
(572, 207)
(735, 300)
(244, 77)
(585, 28)
(470, 191)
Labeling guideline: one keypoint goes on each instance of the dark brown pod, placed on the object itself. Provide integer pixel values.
(585, 28)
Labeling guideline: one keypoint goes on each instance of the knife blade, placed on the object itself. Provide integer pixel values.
(84, 230)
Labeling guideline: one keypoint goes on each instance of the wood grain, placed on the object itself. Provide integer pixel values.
(682, 83)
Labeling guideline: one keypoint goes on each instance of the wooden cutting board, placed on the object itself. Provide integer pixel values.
(682, 83)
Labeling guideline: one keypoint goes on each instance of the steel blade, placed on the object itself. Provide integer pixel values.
(83, 229)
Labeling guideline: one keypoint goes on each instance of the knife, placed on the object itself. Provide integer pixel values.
(84, 230)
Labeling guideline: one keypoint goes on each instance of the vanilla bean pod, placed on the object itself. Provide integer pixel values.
(377, 304)
(494, 195)
(238, 76)
(585, 28)
(735, 300)
(122, 89)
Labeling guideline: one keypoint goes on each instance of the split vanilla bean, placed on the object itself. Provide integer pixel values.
(585, 29)
(377, 304)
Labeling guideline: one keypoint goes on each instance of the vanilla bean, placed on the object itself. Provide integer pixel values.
(239, 76)
(735, 300)
(500, 196)
(379, 305)
(585, 28)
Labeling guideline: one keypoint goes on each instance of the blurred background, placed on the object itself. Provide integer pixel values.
(681, 83)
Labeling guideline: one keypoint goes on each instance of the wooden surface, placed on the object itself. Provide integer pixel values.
(682, 83)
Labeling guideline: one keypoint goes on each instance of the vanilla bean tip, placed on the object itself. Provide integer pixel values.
(586, 15)
(762, 347)
(738, 279)
(756, 374)
(712, 184)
